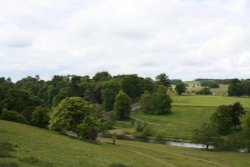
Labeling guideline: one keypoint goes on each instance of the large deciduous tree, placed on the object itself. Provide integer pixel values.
(69, 113)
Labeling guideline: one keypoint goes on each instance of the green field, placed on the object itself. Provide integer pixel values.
(206, 100)
(43, 148)
(188, 113)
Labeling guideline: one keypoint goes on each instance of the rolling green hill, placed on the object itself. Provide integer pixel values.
(42, 148)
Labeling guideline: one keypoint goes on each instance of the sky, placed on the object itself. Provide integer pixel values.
(186, 39)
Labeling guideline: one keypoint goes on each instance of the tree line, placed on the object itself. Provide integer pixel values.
(79, 104)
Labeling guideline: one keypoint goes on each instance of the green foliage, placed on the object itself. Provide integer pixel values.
(101, 76)
(162, 102)
(140, 125)
(11, 115)
(108, 99)
(222, 120)
(109, 89)
(210, 83)
(131, 85)
(40, 117)
(207, 135)
(21, 101)
(122, 106)
(180, 87)
(245, 134)
(88, 128)
(235, 88)
(147, 103)
(228, 117)
(162, 79)
(156, 103)
(204, 91)
(69, 113)
(237, 112)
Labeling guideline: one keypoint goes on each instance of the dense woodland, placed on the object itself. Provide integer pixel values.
(86, 106)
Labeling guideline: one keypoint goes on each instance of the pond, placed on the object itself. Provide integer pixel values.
(189, 145)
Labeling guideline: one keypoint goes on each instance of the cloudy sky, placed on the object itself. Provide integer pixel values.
(185, 39)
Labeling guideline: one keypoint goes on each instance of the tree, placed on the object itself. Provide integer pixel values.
(109, 90)
(162, 79)
(180, 87)
(122, 106)
(147, 103)
(207, 135)
(237, 112)
(40, 117)
(162, 102)
(131, 85)
(108, 99)
(246, 132)
(102, 76)
(21, 101)
(69, 113)
(156, 103)
(222, 119)
(235, 88)
(89, 128)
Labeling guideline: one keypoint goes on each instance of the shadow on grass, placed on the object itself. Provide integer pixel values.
(118, 165)
(6, 149)
(8, 164)
(35, 161)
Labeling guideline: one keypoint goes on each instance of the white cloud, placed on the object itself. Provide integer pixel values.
(183, 38)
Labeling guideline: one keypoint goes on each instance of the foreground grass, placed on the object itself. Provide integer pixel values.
(38, 147)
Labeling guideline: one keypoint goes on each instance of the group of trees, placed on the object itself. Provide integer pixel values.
(77, 103)
(158, 102)
(224, 129)
(239, 87)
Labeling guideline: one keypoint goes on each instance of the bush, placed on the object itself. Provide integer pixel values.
(204, 91)
(12, 116)
(140, 125)
(40, 117)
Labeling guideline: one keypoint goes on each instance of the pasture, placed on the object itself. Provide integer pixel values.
(38, 147)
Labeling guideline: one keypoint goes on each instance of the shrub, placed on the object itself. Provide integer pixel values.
(204, 91)
(12, 116)
(40, 117)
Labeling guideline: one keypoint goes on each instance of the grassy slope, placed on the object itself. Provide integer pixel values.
(38, 147)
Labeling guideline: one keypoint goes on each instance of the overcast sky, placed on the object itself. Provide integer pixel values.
(185, 39)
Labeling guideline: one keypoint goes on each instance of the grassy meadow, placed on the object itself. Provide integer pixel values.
(38, 147)
(208, 100)
(188, 113)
